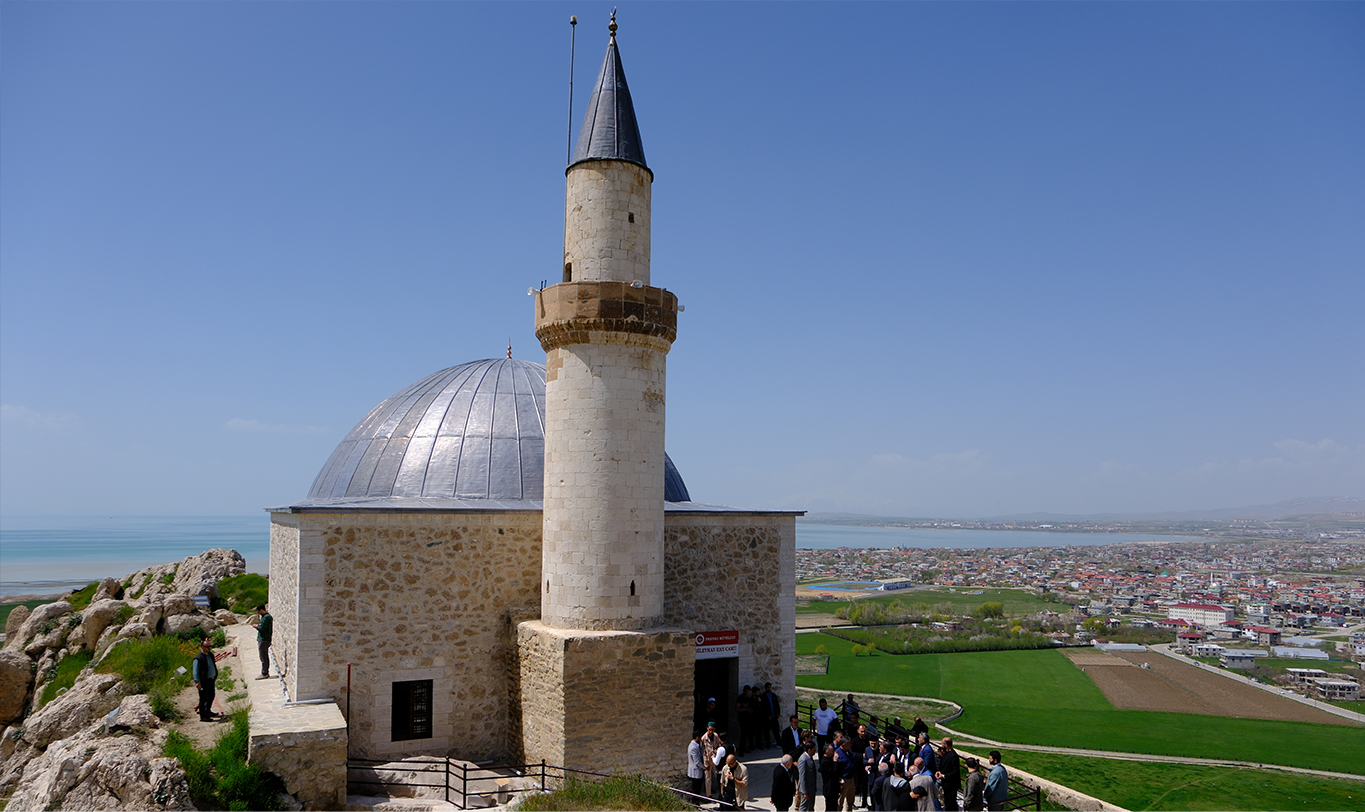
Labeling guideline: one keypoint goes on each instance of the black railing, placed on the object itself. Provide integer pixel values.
(452, 778)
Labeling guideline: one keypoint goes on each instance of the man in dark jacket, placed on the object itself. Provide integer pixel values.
(204, 672)
(896, 790)
(790, 740)
(949, 774)
(784, 785)
(974, 794)
(806, 772)
(264, 632)
(770, 709)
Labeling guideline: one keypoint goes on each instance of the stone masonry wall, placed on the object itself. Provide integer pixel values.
(607, 701)
(414, 596)
(284, 596)
(307, 753)
(606, 221)
(728, 571)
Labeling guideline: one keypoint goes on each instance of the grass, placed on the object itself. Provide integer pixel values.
(1333, 666)
(1142, 786)
(221, 778)
(80, 598)
(1016, 601)
(1039, 697)
(610, 793)
(149, 667)
(65, 676)
(6, 608)
(243, 593)
(1357, 705)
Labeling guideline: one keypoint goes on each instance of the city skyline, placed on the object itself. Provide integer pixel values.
(938, 260)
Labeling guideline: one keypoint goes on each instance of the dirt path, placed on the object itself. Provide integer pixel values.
(205, 734)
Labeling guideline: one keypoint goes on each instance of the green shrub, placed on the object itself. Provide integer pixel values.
(625, 792)
(124, 614)
(218, 638)
(80, 598)
(163, 705)
(991, 609)
(169, 577)
(820, 649)
(221, 778)
(148, 664)
(243, 593)
(858, 650)
(64, 676)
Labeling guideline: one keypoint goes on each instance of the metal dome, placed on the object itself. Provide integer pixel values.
(474, 431)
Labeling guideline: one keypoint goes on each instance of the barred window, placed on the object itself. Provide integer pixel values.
(412, 710)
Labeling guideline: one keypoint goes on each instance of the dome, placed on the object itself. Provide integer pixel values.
(474, 431)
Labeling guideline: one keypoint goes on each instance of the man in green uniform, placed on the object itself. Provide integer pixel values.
(264, 631)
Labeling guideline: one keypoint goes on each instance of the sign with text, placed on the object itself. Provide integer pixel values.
(714, 645)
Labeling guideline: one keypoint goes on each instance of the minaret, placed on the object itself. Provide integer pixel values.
(606, 332)
(600, 649)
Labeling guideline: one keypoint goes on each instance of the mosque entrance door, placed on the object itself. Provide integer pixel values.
(716, 674)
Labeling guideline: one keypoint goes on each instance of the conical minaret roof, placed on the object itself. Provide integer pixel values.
(610, 132)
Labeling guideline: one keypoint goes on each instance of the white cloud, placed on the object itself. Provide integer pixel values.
(257, 427)
(23, 417)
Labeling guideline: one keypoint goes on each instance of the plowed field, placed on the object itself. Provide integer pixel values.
(1169, 685)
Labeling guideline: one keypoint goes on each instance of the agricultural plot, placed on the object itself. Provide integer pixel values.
(1039, 697)
(1169, 685)
(962, 602)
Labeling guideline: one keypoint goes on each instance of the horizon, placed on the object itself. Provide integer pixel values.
(959, 261)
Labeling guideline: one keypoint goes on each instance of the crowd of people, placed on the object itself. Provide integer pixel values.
(844, 760)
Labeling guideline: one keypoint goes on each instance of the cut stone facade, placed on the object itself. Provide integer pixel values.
(606, 221)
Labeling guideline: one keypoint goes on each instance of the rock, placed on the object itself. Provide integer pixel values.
(88, 771)
(39, 616)
(225, 617)
(178, 605)
(135, 712)
(180, 624)
(199, 574)
(108, 589)
(137, 631)
(88, 700)
(151, 614)
(50, 640)
(96, 617)
(16, 678)
(16, 619)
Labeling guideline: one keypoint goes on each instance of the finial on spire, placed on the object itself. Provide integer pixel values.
(509, 348)
(612, 27)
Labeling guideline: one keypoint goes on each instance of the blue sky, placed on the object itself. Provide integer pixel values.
(945, 259)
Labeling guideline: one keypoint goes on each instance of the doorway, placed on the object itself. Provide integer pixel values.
(719, 678)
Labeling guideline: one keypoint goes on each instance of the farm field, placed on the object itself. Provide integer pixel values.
(1039, 697)
(1169, 685)
(1017, 601)
(1141, 786)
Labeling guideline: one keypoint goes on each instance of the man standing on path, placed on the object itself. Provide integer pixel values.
(790, 740)
(805, 778)
(264, 631)
(710, 745)
(783, 790)
(772, 707)
(204, 672)
(696, 769)
(850, 764)
(823, 717)
(949, 774)
(997, 784)
(734, 782)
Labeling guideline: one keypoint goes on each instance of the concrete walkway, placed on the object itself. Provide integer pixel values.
(1165, 650)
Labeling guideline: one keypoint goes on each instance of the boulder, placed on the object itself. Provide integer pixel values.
(107, 590)
(134, 713)
(179, 624)
(178, 605)
(96, 617)
(199, 574)
(151, 614)
(49, 640)
(137, 631)
(16, 678)
(88, 700)
(16, 619)
(225, 617)
(39, 616)
(89, 771)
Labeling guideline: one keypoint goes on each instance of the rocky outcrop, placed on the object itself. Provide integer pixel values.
(109, 589)
(174, 605)
(196, 575)
(96, 618)
(47, 612)
(88, 700)
(97, 771)
(180, 624)
(16, 619)
(16, 677)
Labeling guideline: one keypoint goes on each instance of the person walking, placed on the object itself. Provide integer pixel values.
(783, 790)
(997, 784)
(204, 672)
(265, 630)
(973, 793)
(806, 771)
(949, 774)
(696, 766)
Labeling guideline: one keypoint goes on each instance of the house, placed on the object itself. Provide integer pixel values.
(1303, 676)
(1241, 658)
(1337, 689)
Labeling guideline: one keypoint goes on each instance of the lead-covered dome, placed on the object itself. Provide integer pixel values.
(474, 431)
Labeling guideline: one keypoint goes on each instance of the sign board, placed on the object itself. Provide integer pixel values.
(715, 645)
(202, 601)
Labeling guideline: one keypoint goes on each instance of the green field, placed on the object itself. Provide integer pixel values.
(1334, 666)
(6, 608)
(1140, 786)
(1039, 697)
(1017, 601)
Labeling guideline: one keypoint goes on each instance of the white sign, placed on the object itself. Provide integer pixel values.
(715, 645)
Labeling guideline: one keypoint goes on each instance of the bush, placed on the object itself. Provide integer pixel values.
(242, 593)
(617, 792)
(149, 664)
(218, 638)
(124, 614)
(821, 650)
(991, 609)
(64, 676)
(858, 650)
(221, 778)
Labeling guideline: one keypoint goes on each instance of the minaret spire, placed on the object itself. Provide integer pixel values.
(610, 131)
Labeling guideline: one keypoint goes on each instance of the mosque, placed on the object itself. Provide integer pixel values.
(501, 563)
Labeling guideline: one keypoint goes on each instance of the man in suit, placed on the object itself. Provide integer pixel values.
(771, 707)
(806, 772)
(784, 785)
(949, 774)
(790, 740)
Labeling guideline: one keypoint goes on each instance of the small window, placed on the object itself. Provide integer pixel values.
(412, 710)
(568, 272)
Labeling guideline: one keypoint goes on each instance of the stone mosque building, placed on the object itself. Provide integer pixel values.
(501, 561)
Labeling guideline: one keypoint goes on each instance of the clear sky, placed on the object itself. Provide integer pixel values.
(941, 259)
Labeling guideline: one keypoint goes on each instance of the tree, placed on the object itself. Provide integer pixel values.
(991, 609)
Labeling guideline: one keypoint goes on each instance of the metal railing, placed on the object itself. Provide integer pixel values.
(452, 779)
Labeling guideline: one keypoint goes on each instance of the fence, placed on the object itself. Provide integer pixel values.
(465, 785)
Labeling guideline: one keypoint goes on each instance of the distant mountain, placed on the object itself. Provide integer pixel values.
(1318, 506)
